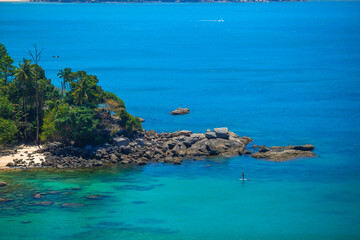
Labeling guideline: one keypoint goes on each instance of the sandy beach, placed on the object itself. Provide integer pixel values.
(22, 153)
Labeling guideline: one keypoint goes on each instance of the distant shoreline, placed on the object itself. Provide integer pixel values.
(14, 0)
(152, 1)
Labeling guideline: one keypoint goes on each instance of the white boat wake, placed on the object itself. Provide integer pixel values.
(219, 20)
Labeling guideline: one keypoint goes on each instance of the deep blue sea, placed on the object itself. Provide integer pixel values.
(281, 73)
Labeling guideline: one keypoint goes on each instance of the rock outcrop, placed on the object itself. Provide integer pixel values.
(146, 147)
(280, 154)
(180, 111)
(149, 146)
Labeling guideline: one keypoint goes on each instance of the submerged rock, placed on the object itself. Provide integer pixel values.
(54, 192)
(180, 111)
(3, 200)
(95, 197)
(45, 203)
(72, 205)
(37, 196)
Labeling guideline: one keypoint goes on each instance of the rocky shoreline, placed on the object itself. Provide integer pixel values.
(149, 146)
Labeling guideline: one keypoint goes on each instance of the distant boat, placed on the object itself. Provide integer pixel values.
(55, 56)
(218, 20)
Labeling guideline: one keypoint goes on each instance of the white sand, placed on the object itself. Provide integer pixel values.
(21, 151)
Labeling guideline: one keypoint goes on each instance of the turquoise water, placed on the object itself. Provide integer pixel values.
(281, 73)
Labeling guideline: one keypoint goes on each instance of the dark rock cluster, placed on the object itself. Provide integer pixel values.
(146, 147)
(25, 161)
(6, 152)
(149, 146)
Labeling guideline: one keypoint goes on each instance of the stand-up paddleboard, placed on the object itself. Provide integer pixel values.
(246, 179)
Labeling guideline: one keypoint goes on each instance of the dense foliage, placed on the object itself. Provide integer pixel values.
(80, 112)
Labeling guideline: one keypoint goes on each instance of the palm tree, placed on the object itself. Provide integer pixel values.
(84, 89)
(6, 68)
(66, 76)
(23, 76)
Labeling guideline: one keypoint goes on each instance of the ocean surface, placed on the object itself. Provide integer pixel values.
(281, 73)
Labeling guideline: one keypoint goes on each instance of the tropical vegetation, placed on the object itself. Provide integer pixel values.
(78, 112)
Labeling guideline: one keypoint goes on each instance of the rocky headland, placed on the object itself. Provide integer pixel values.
(149, 146)
(146, 147)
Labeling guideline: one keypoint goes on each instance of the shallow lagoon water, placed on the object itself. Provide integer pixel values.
(281, 73)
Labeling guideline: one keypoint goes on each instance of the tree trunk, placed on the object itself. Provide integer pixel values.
(37, 106)
(25, 118)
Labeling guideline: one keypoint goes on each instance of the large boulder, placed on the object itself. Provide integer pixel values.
(226, 147)
(210, 135)
(113, 158)
(140, 141)
(10, 164)
(306, 147)
(193, 138)
(181, 133)
(222, 132)
(200, 148)
(180, 111)
(179, 149)
(246, 140)
(121, 141)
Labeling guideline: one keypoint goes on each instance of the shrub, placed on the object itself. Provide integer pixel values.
(6, 108)
(48, 129)
(66, 124)
(8, 131)
(130, 123)
(112, 96)
(84, 126)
